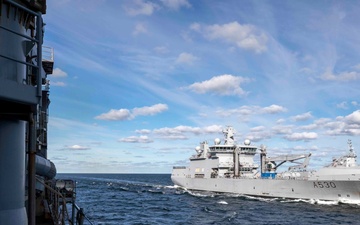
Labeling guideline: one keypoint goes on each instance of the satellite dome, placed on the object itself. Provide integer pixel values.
(247, 142)
(198, 150)
(217, 141)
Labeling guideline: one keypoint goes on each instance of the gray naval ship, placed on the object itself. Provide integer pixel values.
(230, 168)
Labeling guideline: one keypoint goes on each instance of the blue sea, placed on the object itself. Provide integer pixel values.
(153, 199)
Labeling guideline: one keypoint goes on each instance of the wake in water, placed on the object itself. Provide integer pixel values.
(153, 199)
(258, 198)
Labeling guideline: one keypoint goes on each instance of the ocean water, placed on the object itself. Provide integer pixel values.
(153, 199)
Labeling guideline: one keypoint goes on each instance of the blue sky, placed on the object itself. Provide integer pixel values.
(138, 84)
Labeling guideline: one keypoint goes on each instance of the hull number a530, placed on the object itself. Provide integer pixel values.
(324, 184)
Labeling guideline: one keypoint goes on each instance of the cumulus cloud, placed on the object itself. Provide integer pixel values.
(348, 125)
(223, 85)
(143, 131)
(57, 83)
(180, 132)
(115, 114)
(126, 114)
(136, 139)
(283, 129)
(195, 27)
(342, 76)
(139, 28)
(342, 105)
(259, 136)
(353, 118)
(304, 136)
(186, 58)
(212, 129)
(354, 103)
(302, 117)
(257, 129)
(273, 109)
(77, 147)
(176, 4)
(309, 127)
(161, 49)
(140, 7)
(150, 110)
(252, 110)
(58, 73)
(242, 36)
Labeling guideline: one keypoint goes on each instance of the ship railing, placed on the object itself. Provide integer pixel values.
(37, 40)
(58, 208)
(80, 215)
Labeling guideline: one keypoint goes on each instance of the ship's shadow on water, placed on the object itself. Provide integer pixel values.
(153, 199)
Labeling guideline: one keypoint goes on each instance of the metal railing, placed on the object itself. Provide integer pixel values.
(48, 53)
(58, 208)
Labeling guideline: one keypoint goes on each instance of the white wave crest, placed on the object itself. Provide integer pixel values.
(222, 202)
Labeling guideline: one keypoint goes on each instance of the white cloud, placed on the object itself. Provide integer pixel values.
(353, 118)
(257, 129)
(195, 26)
(302, 117)
(357, 67)
(140, 7)
(180, 132)
(309, 127)
(243, 36)
(273, 109)
(177, 130)
(149, 110)
(136, 139)
(342, 105)
(223, 85)
(213, 129)
(259, 134)
(348, 125)
(161, 49)
(305, 136)
(283, 129)
(139, 28)
(143, 131)
(113, 114)
(186, 58)
(176, 4)
(77, 147)
(57, 83)
(58, 73)
(343, 76)
(252, 110)
(126, 114)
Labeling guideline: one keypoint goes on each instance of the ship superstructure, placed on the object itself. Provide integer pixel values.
(29, 192)
(230, 167)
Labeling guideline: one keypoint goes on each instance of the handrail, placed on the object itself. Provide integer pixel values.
(78, 209)
(62, 214)
(64, 208)
(38, 39)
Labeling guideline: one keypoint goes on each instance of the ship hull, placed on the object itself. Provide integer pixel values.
(324, 190)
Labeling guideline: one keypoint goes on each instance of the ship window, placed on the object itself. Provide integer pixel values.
(339, 195)
(348, 195)
(199, 175)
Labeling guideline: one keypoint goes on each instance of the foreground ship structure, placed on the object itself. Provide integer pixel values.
(29, 193)
(230, 168)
